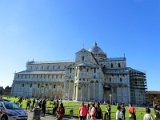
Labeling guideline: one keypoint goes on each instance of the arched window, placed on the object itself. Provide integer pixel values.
(82, 58)
(47, 67)
(120, 79)
(119, 65)
(111, 65)
(87, 69)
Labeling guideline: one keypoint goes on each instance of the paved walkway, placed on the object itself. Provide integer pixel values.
(47, 117)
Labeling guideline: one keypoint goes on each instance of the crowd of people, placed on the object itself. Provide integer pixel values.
(92, 111)
(58, 110)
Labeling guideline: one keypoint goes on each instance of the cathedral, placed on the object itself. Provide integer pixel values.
(92, 76)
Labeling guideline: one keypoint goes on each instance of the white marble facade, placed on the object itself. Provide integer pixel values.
(91, 77)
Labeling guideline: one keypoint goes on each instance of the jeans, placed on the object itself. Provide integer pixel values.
(82, 117)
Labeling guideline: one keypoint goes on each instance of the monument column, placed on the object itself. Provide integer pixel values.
(69, 89)
(66, 87)
(94, 89)
(76, 88)
(88, 87)
(100, 91)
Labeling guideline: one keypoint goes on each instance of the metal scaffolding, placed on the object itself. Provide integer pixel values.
(138, 86)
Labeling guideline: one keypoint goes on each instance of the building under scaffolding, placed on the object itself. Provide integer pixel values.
(138, 86)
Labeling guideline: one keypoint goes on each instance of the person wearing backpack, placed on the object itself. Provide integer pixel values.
(44, 107)
(107, 115)
(60, 112)
(123, 109)
(132, 112)
(98, 113)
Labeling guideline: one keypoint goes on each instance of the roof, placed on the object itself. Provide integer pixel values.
(82, 50)
(135, 71)
(153, 92)
(117, 71)
(96, 49)
(49, 62)
(41, 72)
(117, 59)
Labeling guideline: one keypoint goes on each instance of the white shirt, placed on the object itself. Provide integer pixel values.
(147, 117)
(118, 115)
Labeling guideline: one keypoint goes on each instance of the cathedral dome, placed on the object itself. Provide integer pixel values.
(96, 50)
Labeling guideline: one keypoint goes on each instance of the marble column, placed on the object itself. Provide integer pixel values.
(101, 91)
(94, 89)
(88, 86)
(77, 92)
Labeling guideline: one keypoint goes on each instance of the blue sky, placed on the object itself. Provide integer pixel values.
(49, 30)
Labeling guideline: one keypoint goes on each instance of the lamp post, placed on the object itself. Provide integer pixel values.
(110, 98)
(43, 89)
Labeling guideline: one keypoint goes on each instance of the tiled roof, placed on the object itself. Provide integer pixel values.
(49, 62)
(41, 72)
(153, 92)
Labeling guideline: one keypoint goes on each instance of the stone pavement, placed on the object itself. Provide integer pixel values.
(47, 117)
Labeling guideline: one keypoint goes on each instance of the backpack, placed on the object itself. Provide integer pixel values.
(98, 113)
(61, 110)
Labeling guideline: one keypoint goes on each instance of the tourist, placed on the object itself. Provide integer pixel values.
(37, 103)
(147, 116)
(60, 112)
(88, 111)
(33, 102)
(123, 109)
(28, 104)
(56, 105)
(44, 107)
(98, 113)
(132, 112)
(108, 112)
(118, 113)
(83, 111)
(20, 101)
(40, 104)
(92, 112)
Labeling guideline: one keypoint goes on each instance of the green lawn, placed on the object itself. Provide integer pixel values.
(75, 105)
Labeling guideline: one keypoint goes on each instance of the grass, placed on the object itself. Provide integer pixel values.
(140, 111)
